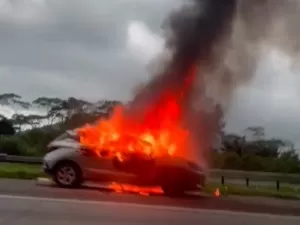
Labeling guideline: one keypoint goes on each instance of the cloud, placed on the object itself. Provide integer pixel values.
(100, 50)
(142, 42)
(271, 100)
(22, 11)
(81, 48)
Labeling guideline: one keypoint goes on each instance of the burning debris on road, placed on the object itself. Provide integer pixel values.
(214, 47)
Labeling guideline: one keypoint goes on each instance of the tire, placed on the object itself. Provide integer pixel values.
(172, 190)
(172, 185)
(67, 175)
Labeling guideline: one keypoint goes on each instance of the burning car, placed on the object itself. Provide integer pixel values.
(71, 163)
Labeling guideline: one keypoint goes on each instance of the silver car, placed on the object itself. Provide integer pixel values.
(70, 164)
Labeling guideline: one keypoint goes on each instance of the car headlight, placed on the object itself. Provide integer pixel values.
(45, 165)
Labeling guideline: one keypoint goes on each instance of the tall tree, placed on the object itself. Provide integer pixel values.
(14, 101)
(257, 132)
(52, 106)
(73, 106)
(234, 143)
(18, 121)
(34, 120)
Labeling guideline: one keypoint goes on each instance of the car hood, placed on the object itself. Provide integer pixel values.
(69, 143)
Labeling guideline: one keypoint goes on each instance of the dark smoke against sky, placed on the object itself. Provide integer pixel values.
(226, 39)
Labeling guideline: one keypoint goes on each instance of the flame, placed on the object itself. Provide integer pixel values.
(123, 188)
(217, 193)
(160, 132)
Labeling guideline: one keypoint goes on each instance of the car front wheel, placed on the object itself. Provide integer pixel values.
(67, 175)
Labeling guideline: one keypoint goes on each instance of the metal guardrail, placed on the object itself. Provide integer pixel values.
(214, 174)
(256, 176)
(20, 159)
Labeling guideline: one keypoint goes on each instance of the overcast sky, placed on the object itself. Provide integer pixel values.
(95, 49)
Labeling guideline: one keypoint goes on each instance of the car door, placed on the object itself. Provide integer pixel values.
(93, 166)
(100, 167)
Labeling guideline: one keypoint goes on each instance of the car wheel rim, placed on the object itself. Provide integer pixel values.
(66, 175)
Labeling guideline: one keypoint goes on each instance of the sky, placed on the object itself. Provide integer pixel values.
(97, 50)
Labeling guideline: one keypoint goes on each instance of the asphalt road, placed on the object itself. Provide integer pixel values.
(23, 202)
(36, 211)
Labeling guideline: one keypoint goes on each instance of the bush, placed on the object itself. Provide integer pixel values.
(232, 161)
(38, 139)
(28, 143)
(252, 162)
(13, 146)
(6, 128)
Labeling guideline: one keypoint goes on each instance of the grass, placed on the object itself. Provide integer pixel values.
(20, 171)
(284, 192)
(28, 171)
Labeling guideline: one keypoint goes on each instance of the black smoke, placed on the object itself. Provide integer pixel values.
(194, 31)
(225, 39)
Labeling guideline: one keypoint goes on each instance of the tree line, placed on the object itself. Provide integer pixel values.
(56, 110)
(22, 134)
(255, 152)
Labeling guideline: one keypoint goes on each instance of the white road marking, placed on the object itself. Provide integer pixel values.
(153, 207)
(43, 181)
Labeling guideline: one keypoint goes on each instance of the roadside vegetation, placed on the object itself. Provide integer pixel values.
(20, 171)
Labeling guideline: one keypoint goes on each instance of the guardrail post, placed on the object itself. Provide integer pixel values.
(247, 182)
(222, 180)
(277, 185)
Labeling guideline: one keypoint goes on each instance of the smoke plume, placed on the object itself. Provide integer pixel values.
(223, 40)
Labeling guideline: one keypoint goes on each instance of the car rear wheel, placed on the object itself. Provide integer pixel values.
(173, 189)
(67, 175)
(173, 184)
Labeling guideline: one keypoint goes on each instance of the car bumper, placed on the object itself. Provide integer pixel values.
(46, 168)
(195, 181)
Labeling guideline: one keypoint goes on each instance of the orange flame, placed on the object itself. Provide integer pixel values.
(146, 191)
(159, 133)
(217, 193)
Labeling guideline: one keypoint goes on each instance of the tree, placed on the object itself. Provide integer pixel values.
(34, 120)
(257, 132)
(8, 98)
(14, 101)
(67, 108)
(47, 103)
(289, 155)
(265, 148)
(18, 121)
(105, 108)
(6, 128)
(234, 143)
(52, 106)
